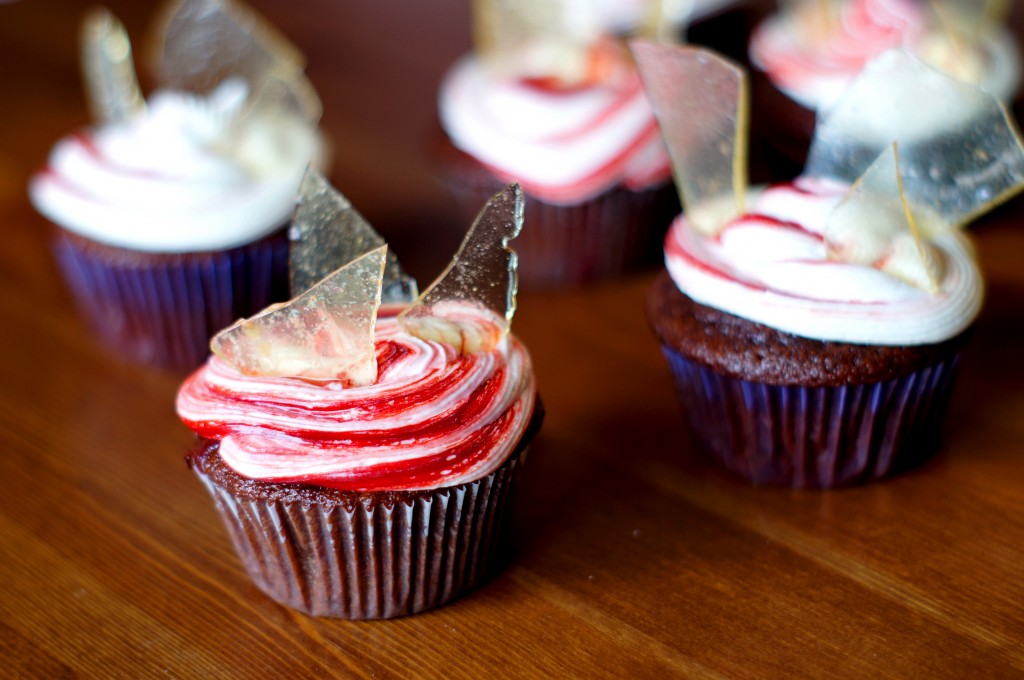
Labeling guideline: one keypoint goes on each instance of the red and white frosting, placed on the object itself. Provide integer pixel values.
(814, 68)
(433, 418)
(187, 174)
(563, 146)
(771, 266)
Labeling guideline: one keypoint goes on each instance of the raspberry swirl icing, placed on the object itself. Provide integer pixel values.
(771, 266)
(188, 174)
(815, 70)
(562, 146)
(434, 418)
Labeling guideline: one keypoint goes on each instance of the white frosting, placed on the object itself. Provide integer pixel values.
(561, 146)
(771, 266)
(816, 71)
(188, 174)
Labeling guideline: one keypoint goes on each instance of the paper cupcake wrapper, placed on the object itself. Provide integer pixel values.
(602, 238)
(162, 309)
(377, 558)
(814, 437)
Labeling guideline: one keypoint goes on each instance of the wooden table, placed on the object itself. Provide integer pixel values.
(633, 556)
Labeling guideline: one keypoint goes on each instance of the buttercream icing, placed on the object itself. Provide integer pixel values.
(562, 145)
(814, 70)
(432, 418)
(771, 265)
(187, 174)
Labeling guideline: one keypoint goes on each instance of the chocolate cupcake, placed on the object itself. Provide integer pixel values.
(169, 214)
(364, 462)
(806, 54)
(813, 328)
(551, 100)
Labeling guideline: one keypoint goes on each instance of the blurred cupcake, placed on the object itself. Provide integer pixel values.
(550, 99)
(813, 327)
(170, 212)
(363, 459)
(806, 54)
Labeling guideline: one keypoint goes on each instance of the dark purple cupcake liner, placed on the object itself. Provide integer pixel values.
(814, 437)
(380, 557)
(616, 232)
(162, 309)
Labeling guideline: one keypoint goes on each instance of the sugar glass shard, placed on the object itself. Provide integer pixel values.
(200, 43)
(665, 21)
(968, 19)
(959, 151)
(111, 84)
(471, 304)
(562, 42)
(701, 102)
(327, 333)
(328, 233)
(288, 97)
(875, 225)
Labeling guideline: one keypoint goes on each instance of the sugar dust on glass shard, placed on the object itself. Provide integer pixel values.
(959, 152)
(875, 225)
(471, 305)
(328, 233)
(701, 101)
(111, 84)
(327, 333)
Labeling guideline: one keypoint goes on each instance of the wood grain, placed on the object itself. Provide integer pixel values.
(632, 556)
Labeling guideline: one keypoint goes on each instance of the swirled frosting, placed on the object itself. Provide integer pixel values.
(562, 145)
(433, 417)
(771, 266)
(188, 174)
(815, 70)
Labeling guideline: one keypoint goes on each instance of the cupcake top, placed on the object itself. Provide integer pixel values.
(550, 99)
(325, 390)
(813, 50)
(773, 265)
(212, 160)
(865, 246)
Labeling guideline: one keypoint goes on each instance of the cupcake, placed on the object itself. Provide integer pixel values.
(169, 213)
(551, 100)
(806, 54)
(813, 327)
(363, 455)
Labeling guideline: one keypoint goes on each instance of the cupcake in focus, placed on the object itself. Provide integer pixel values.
(806, 54)
(550, 99)
(362, 444)
(813, 328)
(170, 212)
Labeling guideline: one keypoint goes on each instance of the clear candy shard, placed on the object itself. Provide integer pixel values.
(327, 333)
(967, 20)
(701, 101)
(959, 151)
(563, 42)
(814, 21)
(111, 84)
(200, 43)
(876, 226)
(328, 233)
(471, 304)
